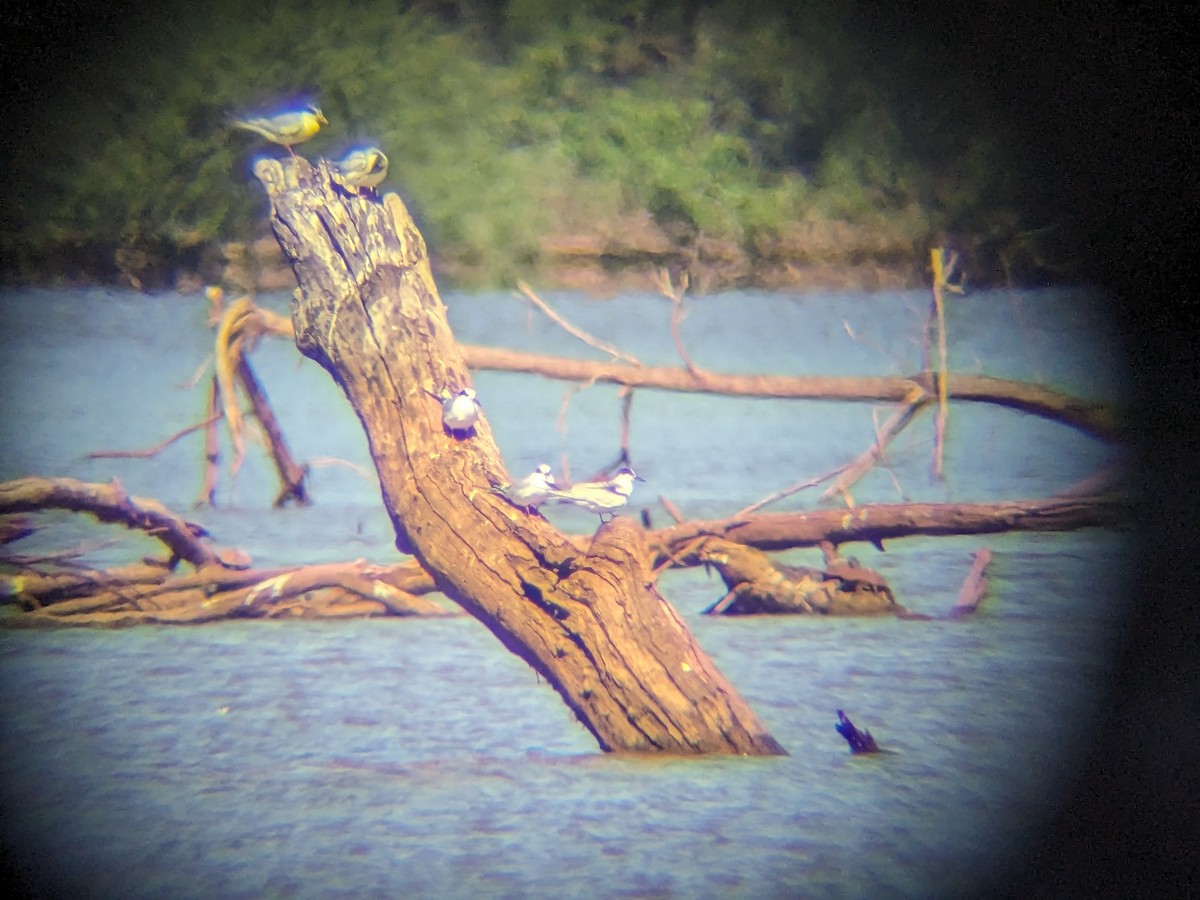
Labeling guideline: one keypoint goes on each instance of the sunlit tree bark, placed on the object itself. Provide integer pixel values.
(590, 622)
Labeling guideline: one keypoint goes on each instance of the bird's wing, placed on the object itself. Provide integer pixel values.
(275, 128)
(289, 125)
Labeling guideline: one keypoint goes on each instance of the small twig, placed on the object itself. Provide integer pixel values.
(878, 348)
(788, 491)
(157, 448)
(674, 559)
(227, 351)
(325, 461)
(572, 329)
(675, 293)
(941, 272)
(208, 490)
(853, 471)
(560, 424)
(626, 394)
(715, 609)
(886, 464)
(216, 302)
(198, 374)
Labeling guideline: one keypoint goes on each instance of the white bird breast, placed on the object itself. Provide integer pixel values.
(460, 413)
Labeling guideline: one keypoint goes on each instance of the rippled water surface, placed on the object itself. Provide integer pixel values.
(405, 758)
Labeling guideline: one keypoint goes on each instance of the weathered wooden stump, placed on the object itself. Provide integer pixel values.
(590, 623)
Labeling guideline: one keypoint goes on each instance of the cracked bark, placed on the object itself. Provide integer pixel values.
(590, 623)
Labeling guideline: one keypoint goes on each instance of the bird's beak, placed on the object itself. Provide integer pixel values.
(638, 478)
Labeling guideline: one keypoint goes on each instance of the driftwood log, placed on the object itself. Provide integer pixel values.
(591, 623)
(152, 595)
(756, 584)
(110, 503)
(59, 591)
(56, 589)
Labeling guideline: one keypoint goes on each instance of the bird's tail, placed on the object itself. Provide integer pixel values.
(246, 125)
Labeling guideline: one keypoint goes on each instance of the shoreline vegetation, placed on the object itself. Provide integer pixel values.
(629, 258)
(579, 146)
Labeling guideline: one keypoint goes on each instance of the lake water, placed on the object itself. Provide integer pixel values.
(411, 758)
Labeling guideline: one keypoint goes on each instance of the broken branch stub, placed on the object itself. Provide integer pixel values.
(590, 623)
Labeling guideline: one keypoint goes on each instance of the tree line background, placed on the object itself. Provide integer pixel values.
(748, 130)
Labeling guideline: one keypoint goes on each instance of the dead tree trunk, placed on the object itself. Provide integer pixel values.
(591, 623)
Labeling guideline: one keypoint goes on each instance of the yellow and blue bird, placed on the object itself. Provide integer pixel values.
(362, 169)
(286, 128)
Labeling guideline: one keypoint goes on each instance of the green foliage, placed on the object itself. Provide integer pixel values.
(502, 127)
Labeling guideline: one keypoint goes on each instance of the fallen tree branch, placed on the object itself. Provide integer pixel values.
(942, 269)
(291, 475)
(152, 594)
(241, 326)
(1094, 418)
(110, 503)
(788, 491)
(760, 584)
(208, 489)
(157, 448)
(675, 293)
(886, 521)
(573, 330)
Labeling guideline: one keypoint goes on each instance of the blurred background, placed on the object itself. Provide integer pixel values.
(758, 144)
